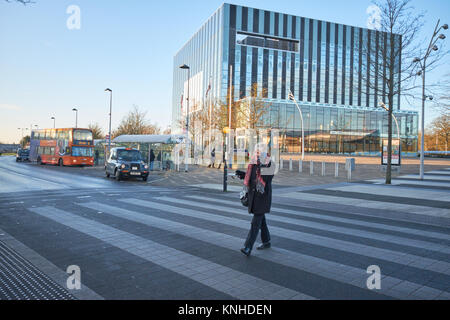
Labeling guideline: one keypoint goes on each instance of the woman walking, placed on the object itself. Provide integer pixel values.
(258, 183)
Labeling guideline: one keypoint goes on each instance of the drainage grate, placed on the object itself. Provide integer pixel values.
(21, 280)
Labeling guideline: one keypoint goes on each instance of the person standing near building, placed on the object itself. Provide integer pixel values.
(152, 159)
(97, 154)
(258, 184)
(213, 158)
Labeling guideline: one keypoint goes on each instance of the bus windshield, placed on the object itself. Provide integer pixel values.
(129, 155)
(82, 152)
(82, 135)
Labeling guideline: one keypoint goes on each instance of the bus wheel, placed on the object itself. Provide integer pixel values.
(60, 162)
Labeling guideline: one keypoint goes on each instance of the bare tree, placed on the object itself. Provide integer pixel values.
(388, 54)
(440, 128)
(97, 131)
(24, 141)
(251, 112)
(135, 123)
(24, 2)
(440, 92)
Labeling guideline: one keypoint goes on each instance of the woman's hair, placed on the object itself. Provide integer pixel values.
(260, 151)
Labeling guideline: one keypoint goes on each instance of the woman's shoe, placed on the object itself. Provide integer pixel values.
(246, 251)
(264, 246)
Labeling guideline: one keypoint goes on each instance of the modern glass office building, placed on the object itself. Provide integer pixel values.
(326, 66)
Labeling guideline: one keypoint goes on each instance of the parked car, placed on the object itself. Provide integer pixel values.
(126, 163)
(23, 155)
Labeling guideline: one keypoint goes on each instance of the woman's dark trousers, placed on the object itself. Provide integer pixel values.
(258, 222)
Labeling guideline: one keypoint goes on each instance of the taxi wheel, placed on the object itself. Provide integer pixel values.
(118, 176)
(107, 174)
(145, 178)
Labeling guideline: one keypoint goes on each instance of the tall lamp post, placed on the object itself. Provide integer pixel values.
(22, 134)
(186, 67)
(292, 97)
(423, 64)
(54, 122)
(110, 114)
(76, 117)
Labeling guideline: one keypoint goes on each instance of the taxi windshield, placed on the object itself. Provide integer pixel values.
(129, 155)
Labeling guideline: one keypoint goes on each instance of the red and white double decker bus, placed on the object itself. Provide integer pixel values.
(63, 147)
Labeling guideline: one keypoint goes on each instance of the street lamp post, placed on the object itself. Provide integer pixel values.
(423, 64)
(292, 97)
(76, 117)
(186, 67)
(22, 134)
(31, 128)
(54, 122)
(110, 114)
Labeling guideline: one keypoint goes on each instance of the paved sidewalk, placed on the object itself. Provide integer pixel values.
(26, 275)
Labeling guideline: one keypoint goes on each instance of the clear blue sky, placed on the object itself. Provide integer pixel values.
(47, 69)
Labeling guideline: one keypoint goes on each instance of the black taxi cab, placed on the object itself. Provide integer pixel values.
(126, 163)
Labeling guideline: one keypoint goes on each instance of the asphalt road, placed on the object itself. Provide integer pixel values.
(23, 176)
(26, 176)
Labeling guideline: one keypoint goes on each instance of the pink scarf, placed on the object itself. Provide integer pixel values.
(248, 175)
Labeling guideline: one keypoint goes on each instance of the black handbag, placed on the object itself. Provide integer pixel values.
(244, 198)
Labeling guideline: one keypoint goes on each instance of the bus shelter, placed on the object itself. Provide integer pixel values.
(162, 145)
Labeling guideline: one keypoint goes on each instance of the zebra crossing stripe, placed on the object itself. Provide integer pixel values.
(302, 213)
(172, 259)
(439, 172)
(365, 250)
(423, 183)
(379, 205)
(322, 226)
(383, 190)
(325, 268)
(416, 176)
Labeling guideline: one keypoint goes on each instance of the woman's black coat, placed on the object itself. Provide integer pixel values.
(259, 204)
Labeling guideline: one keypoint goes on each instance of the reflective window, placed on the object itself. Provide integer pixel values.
(82, 152)
(247, 39)
(82, 135)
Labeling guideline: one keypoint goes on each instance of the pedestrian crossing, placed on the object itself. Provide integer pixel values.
(315, 255)
(328, 242)
(167, 257)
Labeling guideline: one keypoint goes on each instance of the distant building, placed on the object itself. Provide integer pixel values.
(322, 63)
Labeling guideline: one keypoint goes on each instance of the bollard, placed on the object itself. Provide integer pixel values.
(323, 168)
(290, 164)
(350, 166)
(336, 170)
(281, 164)
(300, 166)
(311, 168)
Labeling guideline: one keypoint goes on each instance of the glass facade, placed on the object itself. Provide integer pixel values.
(331, 69)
